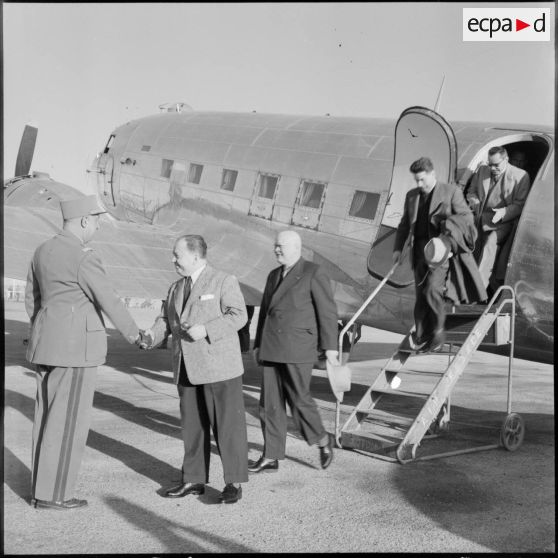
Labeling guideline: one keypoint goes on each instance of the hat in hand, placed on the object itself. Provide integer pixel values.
(437, 251)
(339, 376)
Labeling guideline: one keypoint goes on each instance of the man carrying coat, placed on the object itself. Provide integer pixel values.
(66, 290)
(298, 317)
(437, 210)
(204, 311)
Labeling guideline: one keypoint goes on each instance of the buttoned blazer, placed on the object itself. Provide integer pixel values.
(298, 318)
(515, 188)
(66, 290)
(447, 199)
(216, 302)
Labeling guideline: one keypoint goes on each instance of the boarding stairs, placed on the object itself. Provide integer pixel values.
(395, 414)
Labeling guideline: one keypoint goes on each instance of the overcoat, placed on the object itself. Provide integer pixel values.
(450, 215)
(66, 290)
(216, 302)
(515, 188)
(299, 317)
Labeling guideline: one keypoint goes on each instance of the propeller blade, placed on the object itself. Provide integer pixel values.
(26, 150)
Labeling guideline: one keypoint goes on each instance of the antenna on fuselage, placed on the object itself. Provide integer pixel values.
(439, 98)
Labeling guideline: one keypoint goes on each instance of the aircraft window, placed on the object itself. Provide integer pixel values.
(146, 148)
(229, 179)
(311, 194)
(109, 144)
(194, 176)
(166, 168)
(364, 205)
(268, 185)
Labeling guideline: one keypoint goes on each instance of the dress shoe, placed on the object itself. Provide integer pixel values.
(184, 489)
(438, 341)
(231, 494)
(263, 464)
(417, 342)
(58, 505)
(326, 454)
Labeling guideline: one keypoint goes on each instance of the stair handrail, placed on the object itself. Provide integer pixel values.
(349, 324)
(505, 301)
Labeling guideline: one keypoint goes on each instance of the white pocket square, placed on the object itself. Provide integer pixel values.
(207, 297)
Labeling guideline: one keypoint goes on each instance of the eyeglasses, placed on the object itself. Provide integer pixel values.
(498, 164)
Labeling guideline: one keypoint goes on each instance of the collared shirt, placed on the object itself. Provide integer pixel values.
(287, 269)
(421, 225)
(494, 199)
(194, 277)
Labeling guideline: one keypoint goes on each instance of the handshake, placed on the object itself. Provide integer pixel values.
(145, 340)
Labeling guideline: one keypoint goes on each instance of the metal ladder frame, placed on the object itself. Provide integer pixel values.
(511, 342)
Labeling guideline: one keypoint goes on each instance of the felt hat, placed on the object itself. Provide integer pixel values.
(437, 251)
(79, 207)
(339, 376)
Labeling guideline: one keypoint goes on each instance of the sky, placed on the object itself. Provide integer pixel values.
(78, 71)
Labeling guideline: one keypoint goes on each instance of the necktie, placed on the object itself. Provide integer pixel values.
(279, 278)
(186, 291)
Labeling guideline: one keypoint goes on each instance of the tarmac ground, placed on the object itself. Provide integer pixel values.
(486, 501)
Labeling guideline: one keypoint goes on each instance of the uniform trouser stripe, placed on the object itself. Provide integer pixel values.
(41, 395)
(69, 432)
(63, 412)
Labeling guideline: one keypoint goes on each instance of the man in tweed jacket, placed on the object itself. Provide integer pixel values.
(204, 311)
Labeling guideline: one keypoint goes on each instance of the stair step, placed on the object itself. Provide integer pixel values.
(400, 392)
(387, 417)
(366, 441)
(420, 372)
(383, 430)
(466, 309)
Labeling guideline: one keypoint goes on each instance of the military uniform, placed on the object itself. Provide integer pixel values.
(66, 290)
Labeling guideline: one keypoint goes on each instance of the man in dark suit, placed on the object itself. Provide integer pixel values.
(434, 209)
(497, 194)
(67, 290)
(298, 317)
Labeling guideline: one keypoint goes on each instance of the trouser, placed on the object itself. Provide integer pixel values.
(290, 383)
(218, 406)
(492, 242)
(63, 410)
(430, 285)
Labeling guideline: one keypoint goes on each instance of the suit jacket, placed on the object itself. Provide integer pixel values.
(298, 318)
(216, 302)
(67, 288)
(515, 188)
(447, 199)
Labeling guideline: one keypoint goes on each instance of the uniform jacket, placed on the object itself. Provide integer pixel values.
(447, 199)
(515, 188)
(298, 318)
(216, 302)
(67, 288)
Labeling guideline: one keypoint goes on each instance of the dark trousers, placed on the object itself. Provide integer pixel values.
(430, 286)
(63, 410)
(219, 407)
(289, 383)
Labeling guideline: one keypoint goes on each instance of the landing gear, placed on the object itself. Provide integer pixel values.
(512, 432)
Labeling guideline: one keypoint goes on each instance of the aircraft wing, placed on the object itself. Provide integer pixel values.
(137, 257)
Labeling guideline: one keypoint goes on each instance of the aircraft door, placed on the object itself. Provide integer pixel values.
(419, 132)
(103, 174)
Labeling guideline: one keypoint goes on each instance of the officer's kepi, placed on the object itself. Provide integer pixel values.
(86, 205)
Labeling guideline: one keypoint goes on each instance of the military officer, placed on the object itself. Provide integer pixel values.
(66, 290)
